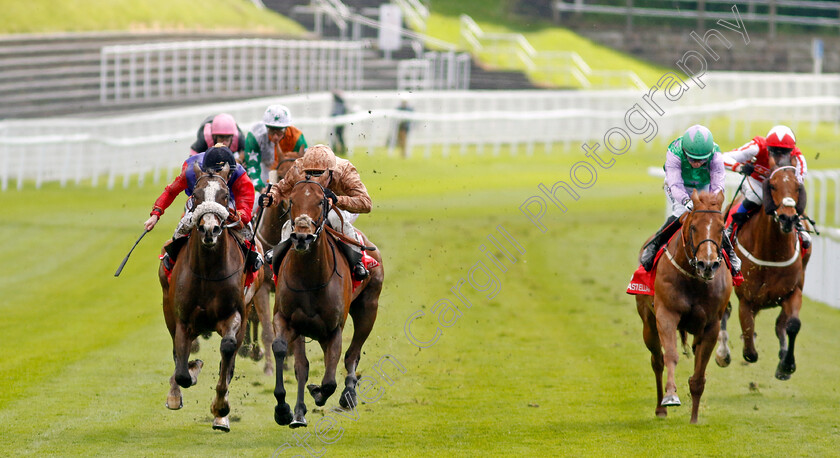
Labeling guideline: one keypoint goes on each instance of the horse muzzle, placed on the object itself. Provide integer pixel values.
(302, 242)
(707, 269)
(210, 233)
(787, 222)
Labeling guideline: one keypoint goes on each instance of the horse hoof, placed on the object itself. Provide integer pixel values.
(670, 401)
(174, 403)
(195, 369)
(750, 357)
(723, 361)
(243, 351)
(269, 371)
(298, 422)
(257, 353)
(661, 412)
(195, 347)
(347, 399)
(283, 414)
(221, 424)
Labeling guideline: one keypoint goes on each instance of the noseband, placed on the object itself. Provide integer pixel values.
(692, 260)
(213, 207)
(324, 206)
(787, 201)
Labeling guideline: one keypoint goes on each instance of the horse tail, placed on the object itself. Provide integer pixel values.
(684, 341)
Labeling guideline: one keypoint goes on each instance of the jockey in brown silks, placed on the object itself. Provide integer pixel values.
(342, 185)
(752, 160)
(239, 186)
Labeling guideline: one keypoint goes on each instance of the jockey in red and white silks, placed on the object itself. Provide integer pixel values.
(756, 153)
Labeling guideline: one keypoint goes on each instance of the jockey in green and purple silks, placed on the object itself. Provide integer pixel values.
(692, 162)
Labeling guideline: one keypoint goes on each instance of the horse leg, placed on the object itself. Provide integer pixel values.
(363, 311)
(705, 343)
(301, 374)
(246, 343)
(256, 352)
(332, 353)
(790, 308)
(657, 363)
(261, 306)
(666, 325)
(722, 355)
(747, 317)
(232, 332)
(280, 346)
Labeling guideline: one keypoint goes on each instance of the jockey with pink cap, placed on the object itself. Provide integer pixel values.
(220, 128)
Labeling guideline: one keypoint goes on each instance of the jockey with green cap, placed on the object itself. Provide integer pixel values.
(692, 162)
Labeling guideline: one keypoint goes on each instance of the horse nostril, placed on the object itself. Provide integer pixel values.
(701, 265)
(201, 229)
(715, 265)
(217, 230)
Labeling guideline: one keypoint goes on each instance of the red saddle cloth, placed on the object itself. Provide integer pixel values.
(642, 281)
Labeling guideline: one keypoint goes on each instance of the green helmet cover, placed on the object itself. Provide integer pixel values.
(697, 142)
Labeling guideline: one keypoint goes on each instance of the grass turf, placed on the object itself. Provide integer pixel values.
(47, 16)
(553, 364)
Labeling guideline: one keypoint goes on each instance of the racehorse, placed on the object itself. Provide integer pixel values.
(205, 293)
(773, 267)
(269, 235)
(690, 294)
(313, 297)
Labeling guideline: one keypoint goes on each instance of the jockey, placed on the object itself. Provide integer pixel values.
(219, 129)
(267, 140)
(752, 160)
(692, 162)
(240, 187)
(342, 185)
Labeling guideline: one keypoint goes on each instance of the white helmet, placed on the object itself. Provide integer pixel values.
(277, 116)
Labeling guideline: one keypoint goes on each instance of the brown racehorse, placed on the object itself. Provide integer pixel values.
(773, 267)
(269, 235)
(690, 294)
(314, 295)
(205, 293)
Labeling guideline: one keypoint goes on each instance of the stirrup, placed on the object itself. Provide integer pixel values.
(269, 255)
(167, 262)
(360, 272)
(254, 261)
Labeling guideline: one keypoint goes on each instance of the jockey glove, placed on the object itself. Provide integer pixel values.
(747, 169)
(330, 195)
(688, 203)
(266, 200)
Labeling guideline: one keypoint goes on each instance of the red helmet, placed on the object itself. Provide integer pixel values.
(781, 137)
(223, 124)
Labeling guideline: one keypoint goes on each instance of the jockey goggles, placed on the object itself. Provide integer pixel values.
(779, 151)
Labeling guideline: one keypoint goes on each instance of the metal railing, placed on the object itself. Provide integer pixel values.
(562, 67)
(199, 69)
(434, 71)
(415, 13)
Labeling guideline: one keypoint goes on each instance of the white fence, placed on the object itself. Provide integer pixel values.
(435, 70)
(195, 69)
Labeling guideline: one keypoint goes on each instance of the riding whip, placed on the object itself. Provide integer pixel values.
(120, 268)
(735, 195)
(259, 217)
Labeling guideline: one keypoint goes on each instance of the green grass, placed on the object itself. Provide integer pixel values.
(553, 365)
(494, 16)
(48, 16)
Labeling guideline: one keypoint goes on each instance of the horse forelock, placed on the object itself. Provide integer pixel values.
(709, 201)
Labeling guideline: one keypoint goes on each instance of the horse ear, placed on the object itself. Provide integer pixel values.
(719, 198)
(771, 163)
(694, 195)
(225, 173)
(196, 169)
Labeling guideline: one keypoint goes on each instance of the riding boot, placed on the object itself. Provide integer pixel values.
(354, 258)
(804, 235)
(278, 253)
(671, 226)
(253, 261)
(738, 220)
(734, 260)
(172, 249)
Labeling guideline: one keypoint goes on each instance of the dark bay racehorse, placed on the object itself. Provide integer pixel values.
(205, 293)
(773, 267)
(269, 235)
(690, 294)
(314, 295)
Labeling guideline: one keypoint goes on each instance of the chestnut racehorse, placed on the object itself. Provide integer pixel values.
(205, 293)
(268, 234)
(773, 267)
(690, 294)
(313, 297)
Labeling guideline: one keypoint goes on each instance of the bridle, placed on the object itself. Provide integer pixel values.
(222, 217)
(786, 201)
(692, 260)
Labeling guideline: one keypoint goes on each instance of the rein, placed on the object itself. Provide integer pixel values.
(322, 285)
